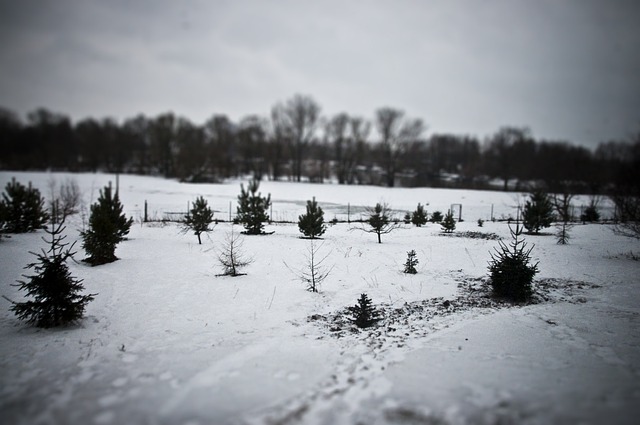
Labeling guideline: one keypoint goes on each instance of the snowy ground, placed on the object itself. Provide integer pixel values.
(166, 341)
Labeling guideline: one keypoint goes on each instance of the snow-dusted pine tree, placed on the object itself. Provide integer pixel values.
(411, 263)
(199, 218)
(511, 270)
(436, 217)
(419, 216)
(311, 224)
(56, 294)
(232, 257)
(448, 223)
(252, 208)
(538, 212)
(364, 313)
(23, 208)
(107, 228)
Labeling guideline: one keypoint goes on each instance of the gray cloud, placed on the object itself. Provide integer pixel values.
(566, 69)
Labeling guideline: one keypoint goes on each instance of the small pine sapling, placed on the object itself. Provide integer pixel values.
(23, 208)
(590, 213)
(232, 257)
(380, 221)
(108, 226)
(448, 223)
(364, 313)
(436, 217)
(411, 263)
(419, 216)
(407, 218)
(511, 270)
(311, 224)
(199, 218)
(562, 204)
(480, 222)
(314, 272)
(537, 212)
(252, 208)
(55, 293)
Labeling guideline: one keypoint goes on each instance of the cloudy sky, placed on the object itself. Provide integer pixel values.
(568, 69)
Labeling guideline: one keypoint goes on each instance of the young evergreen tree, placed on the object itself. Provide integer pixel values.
(448, 223)
(380, 221)
(411, 263)
(436, 217)
(252, 208)
(590, 213)
(232, 257)
(199, 218)
(107, 228)
(56, 294)
(419, 216)
(562, 204)
(311, 224)
(511, 270)
(538, 212)
(364, 314)
(24, 208)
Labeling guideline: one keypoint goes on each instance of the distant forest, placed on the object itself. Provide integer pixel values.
(296, 142)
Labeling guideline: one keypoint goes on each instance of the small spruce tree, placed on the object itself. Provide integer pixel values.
(199, 218)
(407, 218)
(107, 228)
(436, 217)
(511, 270)
(411, 263)
(590, 213)
(24, 208)
(252, 208)
(538, 212)
(448, 223)
(55, 293)
(232, 257)
(364, 313)
(311, 224)
(419, 216)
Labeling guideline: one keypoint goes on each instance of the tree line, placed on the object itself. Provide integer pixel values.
(296, 142)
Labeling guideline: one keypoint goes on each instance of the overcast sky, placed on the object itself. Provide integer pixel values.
(568, 69)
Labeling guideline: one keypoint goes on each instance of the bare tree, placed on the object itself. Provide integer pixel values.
(314, 272)
(232, 257)
(298, 118)
(395, 133)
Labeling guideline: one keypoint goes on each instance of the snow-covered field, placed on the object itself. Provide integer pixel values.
(166, 341)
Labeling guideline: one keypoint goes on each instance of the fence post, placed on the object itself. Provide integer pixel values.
(348, 213)
(146, 217)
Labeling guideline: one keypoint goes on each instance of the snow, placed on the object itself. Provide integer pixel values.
(166, 341)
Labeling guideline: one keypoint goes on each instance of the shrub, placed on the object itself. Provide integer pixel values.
(199, 218)
(311, 224)
(364, 314)
(511, 271)
(56, 294)
(23, 208)
(411, 263)
(252, 208)
(107, 228)
(419, 216)
(436, 217)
